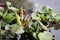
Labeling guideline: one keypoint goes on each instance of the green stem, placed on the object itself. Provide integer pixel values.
(22, 13)
(44, 27)
(5, 13)
(37, 31)
(0, 36)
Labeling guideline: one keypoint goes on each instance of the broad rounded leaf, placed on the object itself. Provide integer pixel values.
(57, 17)
(20, 30)
(8, 18)
(16, 29)
(45, 36)
(46, 9)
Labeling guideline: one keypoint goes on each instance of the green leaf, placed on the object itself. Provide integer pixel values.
(33, 26)
(10, 7)
(3, 23)
(45, 36)
(43, 26)
(8, 18)
(20, 30)
(34, 34)
(16, 29)
(8, 4)
(35, 16)
(46, 9)
(7, 27)
(57, 17)
(1, 9)
(42, 16)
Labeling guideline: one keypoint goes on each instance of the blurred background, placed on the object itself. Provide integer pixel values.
(55, 4)
(30, 4)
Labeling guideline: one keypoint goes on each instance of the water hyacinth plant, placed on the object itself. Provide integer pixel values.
(13, 23)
